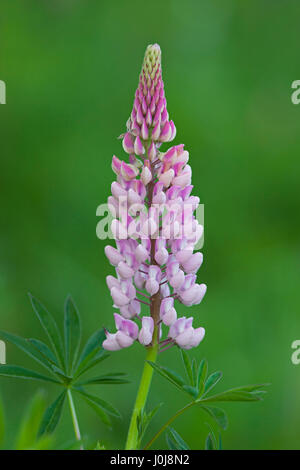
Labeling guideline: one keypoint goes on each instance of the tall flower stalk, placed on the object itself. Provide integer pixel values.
(155, 231)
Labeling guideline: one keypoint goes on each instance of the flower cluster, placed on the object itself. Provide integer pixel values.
(154, 225)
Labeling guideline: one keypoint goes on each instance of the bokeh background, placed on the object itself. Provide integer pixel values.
(71, 68)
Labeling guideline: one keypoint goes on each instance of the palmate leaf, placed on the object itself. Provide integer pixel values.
(72, 329)
(175, 441)
(61, 363)
(48, 323)
(110, 378)
(31, 422)
(203, 385)
(52, 415)
(199, 389)
(22, 373)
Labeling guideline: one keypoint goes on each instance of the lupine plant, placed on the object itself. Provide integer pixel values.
(156, 232)
(156, 261)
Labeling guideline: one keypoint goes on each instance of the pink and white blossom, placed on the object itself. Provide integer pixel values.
(154, 225)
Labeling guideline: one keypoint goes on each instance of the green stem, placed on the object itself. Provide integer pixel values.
(74, 418)
(167, 424)
(132, 438)
(155, 301)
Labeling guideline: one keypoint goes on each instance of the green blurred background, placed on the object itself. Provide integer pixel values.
(71, 68)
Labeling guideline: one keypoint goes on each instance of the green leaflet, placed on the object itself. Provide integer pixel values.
(92, 348)
(97, 408)
(50, 327)
(111, 378)
(212, 381)
(107, 407)
(22, 373)
(187, 365)
(34, 350)
(91, 361)
(52, 415)
(72, 330)
(209, 443)
(201, 376)
(44, 350)
(230, 396)
(169, 374)
(175, 441)
(218, 415)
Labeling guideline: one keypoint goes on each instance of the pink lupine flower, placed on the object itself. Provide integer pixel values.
(154, 225)
(125, 336)
(184, 335)
(168, 313)
(122, 290)
(146, 332)
(153, 280)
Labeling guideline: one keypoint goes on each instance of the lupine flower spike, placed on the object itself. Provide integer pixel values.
(154, 226)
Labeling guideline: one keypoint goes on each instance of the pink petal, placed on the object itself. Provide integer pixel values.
(112, 282)
(113, 255)
(167, 177)
(152, 286)
(111, 343)
(193, 263)
(198, 336)
(124, 340)
(124, 271)
(128, 143)
(118, 297)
